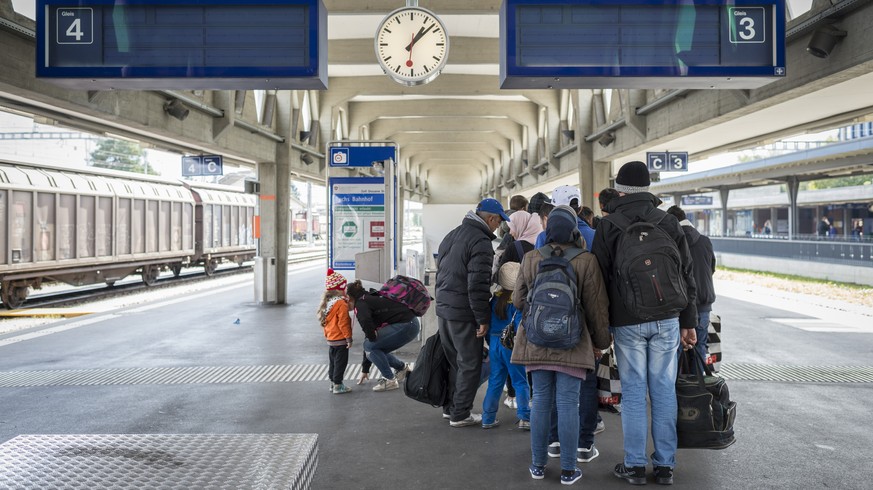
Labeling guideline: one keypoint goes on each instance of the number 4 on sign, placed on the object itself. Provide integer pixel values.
(75, 30)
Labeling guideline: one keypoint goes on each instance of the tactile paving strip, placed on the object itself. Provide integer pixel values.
(797, 374)
(159, 461)
(318, 372)
(176, 375)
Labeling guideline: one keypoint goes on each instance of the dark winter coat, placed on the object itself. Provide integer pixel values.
(374, 312)
(463, 278)
(703, 266)
(606, 242)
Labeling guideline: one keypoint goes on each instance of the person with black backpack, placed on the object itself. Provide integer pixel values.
(647, 267)
(561, 293)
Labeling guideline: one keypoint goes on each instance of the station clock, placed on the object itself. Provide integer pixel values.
(412, 45)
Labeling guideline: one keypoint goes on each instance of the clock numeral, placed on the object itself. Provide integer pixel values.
(388, 30)
(397, 70)
(411, 72)
(436, 58)
(383, 44)
(440, 44)
(386, 59)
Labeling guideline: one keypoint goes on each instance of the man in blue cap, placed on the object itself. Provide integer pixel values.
(463, 295)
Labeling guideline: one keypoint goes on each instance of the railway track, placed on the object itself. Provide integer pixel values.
(71, 296)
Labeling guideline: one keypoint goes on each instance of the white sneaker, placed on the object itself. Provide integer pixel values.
(510, 402)
(386, 385)
(600, 427)
(472, 419)
(401, 374)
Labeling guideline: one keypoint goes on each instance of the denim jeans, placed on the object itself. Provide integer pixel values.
(589, 413)
(647, 362)
(563, 389)
(500, 368)
(702, 334)
(388, 339)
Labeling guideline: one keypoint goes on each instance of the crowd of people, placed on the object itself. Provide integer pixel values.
(549, 372)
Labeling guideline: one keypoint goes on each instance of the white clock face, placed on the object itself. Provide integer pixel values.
(412, 45)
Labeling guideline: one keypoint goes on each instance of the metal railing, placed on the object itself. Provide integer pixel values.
(844, 252)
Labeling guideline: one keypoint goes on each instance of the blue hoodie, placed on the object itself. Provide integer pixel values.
(586, 231)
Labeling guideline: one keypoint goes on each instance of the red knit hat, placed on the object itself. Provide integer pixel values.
(335, 280)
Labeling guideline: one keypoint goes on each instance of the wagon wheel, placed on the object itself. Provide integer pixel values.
(150, 274)
(209, 266)
(13, 296)
(177, 269)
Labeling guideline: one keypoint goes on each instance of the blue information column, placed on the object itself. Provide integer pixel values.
(362, 209)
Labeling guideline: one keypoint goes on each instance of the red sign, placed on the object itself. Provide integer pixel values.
(377, 229)
(377, 244)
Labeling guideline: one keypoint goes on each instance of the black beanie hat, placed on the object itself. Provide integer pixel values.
(633, 177)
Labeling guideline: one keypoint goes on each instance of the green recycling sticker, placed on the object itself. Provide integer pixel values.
(349, 229)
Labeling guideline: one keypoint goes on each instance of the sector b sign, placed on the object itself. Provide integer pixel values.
(667, 161)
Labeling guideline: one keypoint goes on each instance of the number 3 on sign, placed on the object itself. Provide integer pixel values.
(75, 25)
(747, 25)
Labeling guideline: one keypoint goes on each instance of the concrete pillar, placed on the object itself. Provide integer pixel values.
(268, 244)
(793, 188)
(724, 192)
(283, 221)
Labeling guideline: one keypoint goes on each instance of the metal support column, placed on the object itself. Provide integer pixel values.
(793, 187)
(723, 192)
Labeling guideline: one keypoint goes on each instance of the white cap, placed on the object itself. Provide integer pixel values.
(566, 193)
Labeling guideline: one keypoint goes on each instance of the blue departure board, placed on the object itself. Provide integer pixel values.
(641, 43)
(183, 44)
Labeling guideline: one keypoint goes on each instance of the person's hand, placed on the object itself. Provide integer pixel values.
(598, 353)
(689, 338)
(349, 344)
(363, 379)
(483, 329)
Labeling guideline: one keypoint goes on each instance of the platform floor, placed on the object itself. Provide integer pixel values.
(802, 375)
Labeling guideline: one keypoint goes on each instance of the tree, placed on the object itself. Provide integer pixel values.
(121, 155)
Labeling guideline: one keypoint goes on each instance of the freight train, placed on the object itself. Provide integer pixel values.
(99, 226)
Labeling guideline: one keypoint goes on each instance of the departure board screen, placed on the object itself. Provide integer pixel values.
(183, 43)
(637, 43)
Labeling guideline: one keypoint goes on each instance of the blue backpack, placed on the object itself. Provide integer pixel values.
(554, 317)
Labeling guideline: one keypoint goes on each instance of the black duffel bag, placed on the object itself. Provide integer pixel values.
(706, 413)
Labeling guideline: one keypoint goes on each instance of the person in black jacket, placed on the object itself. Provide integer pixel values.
(645, 349)
(703, 266)
(463, 308)
(388, 326)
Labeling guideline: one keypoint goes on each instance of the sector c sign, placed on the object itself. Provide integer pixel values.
(667, 161)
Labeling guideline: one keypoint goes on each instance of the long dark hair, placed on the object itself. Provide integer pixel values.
(504, 298)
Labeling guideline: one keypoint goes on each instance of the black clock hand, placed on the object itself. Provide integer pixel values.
(421, 32)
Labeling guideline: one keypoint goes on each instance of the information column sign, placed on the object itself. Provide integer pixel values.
(357, 218)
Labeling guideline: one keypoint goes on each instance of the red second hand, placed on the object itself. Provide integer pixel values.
(411, 44)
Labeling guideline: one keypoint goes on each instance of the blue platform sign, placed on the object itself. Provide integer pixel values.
(361, 156)
(193, 166)
(213, 165)
(726, 44)
(182, 44)
(667, 161)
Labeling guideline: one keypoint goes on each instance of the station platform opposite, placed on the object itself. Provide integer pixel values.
(177, 385)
